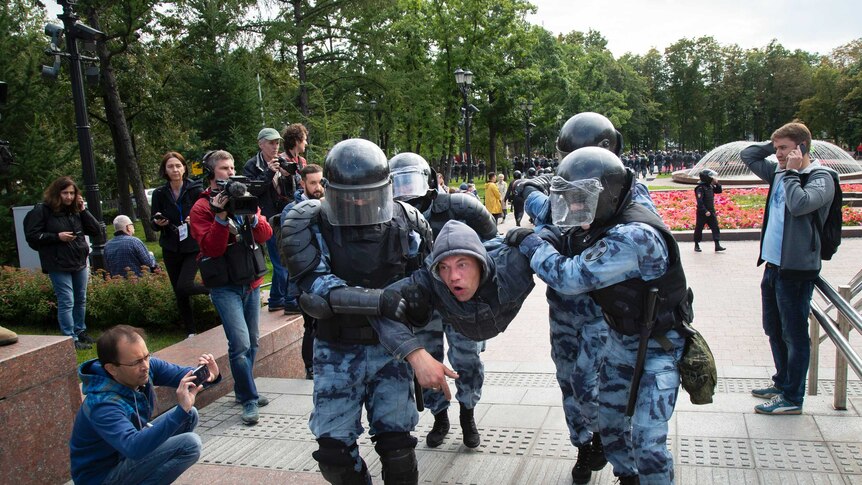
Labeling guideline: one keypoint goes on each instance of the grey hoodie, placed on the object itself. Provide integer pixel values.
(506, 281)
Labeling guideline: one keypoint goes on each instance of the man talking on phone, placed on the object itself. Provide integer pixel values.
(113, 439)
(800, 193)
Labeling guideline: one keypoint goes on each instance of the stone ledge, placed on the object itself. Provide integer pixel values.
(279, 355)
(39, 396)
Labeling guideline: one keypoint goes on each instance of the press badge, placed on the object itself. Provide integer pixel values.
(183, 231)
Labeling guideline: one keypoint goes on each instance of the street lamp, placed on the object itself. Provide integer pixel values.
(527, 108)
(76, 31)
(464, 80)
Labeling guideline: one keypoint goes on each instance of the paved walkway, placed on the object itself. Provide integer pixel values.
(524, 438)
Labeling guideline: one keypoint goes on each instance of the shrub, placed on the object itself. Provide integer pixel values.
(148, 301)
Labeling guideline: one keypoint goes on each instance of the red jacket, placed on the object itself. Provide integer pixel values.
(213, 236)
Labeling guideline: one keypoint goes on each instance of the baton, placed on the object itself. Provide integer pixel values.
(417, 390)
(643, 343)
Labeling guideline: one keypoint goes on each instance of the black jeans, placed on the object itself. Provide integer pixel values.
(309, 331)
(182, 268)
(708, 220)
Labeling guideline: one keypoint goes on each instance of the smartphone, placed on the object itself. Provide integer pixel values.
(158, 216)
(202, 374)
(803, 148)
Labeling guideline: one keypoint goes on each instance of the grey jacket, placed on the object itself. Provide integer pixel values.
(800, 244)
(506, 281)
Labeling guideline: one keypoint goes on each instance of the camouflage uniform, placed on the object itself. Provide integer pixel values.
(626, 252)
(463, 357)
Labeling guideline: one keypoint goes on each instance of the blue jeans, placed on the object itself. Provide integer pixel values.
(166, 463)
(786, 304)
(239, 309)
(278, 289)
(71, 291)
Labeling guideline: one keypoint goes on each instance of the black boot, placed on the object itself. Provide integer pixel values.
(718, 246)
(439, 431)
(470, 434)
(630, 480)
(581, 472)
(697, 247)
(597, 454)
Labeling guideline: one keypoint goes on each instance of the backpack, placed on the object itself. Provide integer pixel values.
(830, 229)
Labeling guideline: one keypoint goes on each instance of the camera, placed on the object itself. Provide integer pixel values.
(241, 202)
(290, 167)
(202, 374)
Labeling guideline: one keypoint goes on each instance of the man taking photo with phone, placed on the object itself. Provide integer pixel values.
(113, 439)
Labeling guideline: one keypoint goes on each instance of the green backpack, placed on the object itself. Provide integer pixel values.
(697, 369)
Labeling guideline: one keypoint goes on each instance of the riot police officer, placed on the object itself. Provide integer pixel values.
(414, 182)
(515, 195)
(704, 194)
(620, 253)
(341, 252)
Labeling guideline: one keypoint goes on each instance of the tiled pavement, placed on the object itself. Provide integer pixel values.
(524, 439)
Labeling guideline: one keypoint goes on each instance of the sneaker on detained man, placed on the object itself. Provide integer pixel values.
(766, 392)
(779, 406)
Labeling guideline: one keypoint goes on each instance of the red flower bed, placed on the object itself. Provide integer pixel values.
(677, 208)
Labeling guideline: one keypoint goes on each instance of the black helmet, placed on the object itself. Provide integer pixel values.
(707, 175)
(531, 172)
(359, 190)
(588, 130)
(612, 178)
(518, 174)
(413, 180)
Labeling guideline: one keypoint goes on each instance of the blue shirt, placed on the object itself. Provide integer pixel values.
(774, 232)
(124, 252)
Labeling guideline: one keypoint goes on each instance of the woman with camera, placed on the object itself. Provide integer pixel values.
(56, 228)
(171, 207)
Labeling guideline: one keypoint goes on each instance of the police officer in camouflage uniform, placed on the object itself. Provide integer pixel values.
(578, 330)
(414, 182)
(338, 250)
(616, 251)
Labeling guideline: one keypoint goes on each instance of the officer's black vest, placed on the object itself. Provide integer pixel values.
(367, 256)
(623, 303)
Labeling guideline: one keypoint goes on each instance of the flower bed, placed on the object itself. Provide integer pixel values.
(736, 208)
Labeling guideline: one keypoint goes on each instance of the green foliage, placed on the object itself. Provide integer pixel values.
(147, 301)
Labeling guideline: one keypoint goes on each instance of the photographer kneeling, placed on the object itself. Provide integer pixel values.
(229, 229)
(113, 440)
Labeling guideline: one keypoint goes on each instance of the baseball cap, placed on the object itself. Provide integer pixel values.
(121, 221)
(269, 134)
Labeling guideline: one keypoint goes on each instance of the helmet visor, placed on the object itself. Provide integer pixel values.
(574, 203)
(409, 182)
(358, 206)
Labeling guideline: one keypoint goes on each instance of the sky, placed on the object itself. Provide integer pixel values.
(637, 25)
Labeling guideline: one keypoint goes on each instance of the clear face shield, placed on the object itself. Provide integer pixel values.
(573, 204)
(409, 182)
(358, 206)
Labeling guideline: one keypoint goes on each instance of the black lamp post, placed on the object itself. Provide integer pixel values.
(77, 31)
(372, 122)
(464, 80)
(527, 108)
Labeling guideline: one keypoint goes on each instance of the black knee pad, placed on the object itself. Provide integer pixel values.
(397, 457)
(336, 463)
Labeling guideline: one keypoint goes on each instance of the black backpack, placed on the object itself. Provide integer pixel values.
(830, 229)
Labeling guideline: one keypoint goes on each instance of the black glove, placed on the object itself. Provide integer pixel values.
(553, 235)
(541, 183)
(516, 235)
(418, 305)
(392, 306)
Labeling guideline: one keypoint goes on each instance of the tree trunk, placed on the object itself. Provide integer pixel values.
(301, 66)
(120, 136)
(124, 198)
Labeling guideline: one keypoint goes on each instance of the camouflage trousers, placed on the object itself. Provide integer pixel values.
(576, 350)
(639, 445)
(463, 357)
(346, 377)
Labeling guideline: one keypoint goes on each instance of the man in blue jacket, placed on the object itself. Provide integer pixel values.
(800, 192)
(113, 439)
